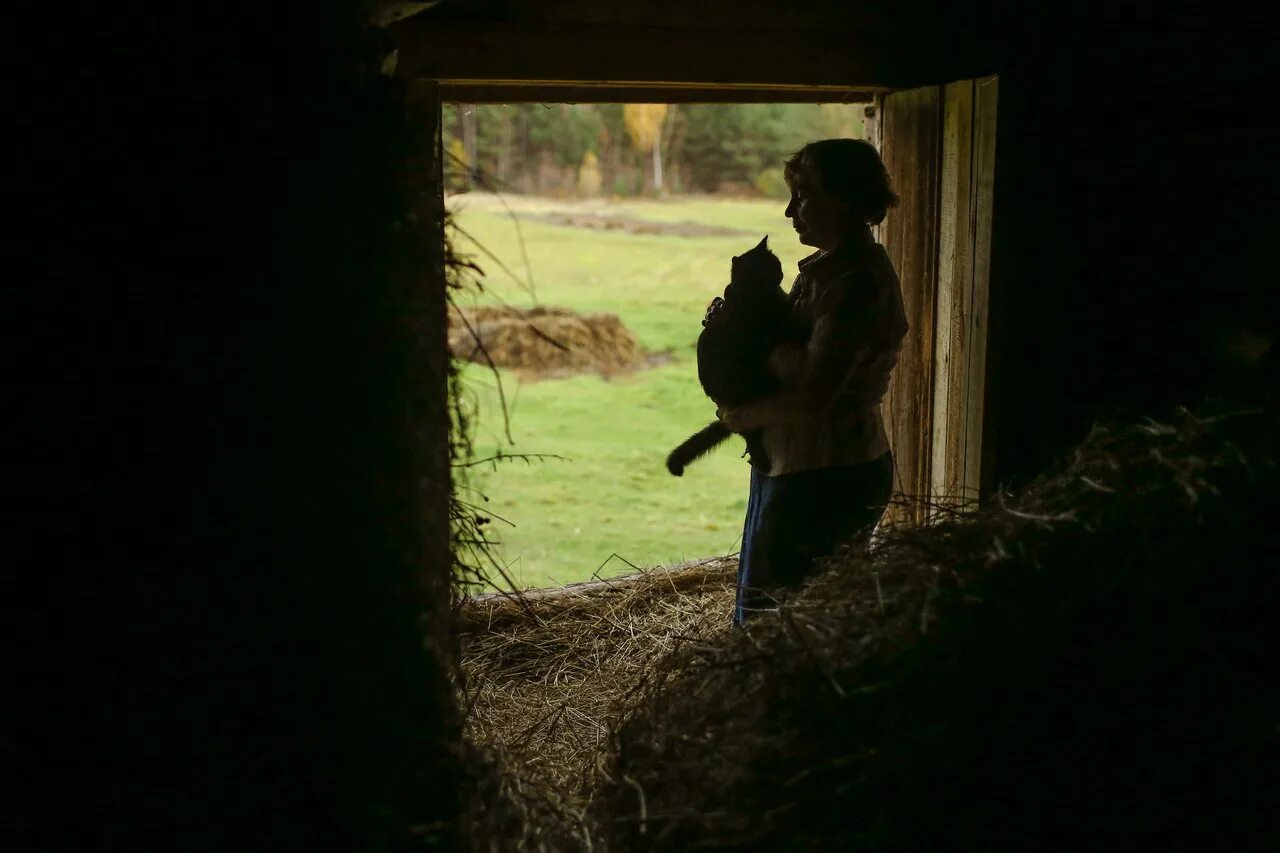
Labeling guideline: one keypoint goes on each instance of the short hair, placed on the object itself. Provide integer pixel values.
(851, 170)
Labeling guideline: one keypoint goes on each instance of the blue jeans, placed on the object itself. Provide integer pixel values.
(794, 520)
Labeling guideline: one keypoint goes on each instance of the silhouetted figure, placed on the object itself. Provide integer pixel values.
(829, 472)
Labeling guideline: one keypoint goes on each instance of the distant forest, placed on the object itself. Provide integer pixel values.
(590, 150)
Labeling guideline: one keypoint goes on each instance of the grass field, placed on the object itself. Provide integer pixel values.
(611, 493)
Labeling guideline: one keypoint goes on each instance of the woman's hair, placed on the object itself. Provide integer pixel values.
(849, 169)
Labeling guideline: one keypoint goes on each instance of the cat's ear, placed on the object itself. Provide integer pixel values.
(764, 244)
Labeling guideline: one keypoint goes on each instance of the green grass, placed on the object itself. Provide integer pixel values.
(611, 494)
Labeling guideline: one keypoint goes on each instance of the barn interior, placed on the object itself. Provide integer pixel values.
(233, 348)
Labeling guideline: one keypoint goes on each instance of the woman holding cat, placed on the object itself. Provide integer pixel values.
(830, 471)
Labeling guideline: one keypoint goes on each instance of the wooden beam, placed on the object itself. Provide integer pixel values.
(729, 54)
(584, 92)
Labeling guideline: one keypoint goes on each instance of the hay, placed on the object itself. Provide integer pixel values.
(548, 675)
(544, 341)
(1091, 664)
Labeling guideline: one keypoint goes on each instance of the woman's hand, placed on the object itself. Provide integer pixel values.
(712, 310)
(739, 419)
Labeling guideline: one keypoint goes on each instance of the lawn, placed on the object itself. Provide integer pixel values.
(610, 494)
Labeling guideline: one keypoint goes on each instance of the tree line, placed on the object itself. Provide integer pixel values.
(634, 149)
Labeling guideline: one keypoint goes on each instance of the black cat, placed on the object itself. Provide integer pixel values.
(733, 350)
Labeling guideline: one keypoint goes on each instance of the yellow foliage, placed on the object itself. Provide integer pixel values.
(644, 123)
(589, 179)
(458, 155)
(457, 171)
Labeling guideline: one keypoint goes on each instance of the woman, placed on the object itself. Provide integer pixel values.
(831, 471)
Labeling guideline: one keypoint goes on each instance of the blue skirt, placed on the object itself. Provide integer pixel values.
(794, 520)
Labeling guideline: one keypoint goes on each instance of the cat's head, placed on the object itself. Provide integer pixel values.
(758, 267)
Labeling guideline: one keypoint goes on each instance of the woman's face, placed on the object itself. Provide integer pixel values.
(820, 219)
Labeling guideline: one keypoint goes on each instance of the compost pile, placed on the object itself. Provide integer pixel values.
(1090, 664)
(543, 341)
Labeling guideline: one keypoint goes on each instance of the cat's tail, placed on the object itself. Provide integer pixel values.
(696, 445)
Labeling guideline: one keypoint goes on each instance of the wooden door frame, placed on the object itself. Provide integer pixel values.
(938, 143)
(935, 405)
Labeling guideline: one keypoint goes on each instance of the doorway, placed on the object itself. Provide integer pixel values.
(938, 143)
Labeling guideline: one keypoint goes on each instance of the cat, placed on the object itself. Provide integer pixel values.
(733, 349)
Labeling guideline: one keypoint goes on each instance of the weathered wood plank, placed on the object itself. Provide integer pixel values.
(964, 261)
(605, 92)
(955, 280)
(986, 96)
(911, 130)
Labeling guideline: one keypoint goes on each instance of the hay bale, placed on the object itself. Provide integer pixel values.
(1091, 665)
(543, 341)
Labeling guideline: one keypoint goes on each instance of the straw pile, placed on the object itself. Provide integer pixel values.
(549, 674)
(1089, 665)
(543, 341)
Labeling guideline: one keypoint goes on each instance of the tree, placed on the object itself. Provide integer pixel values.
(458, 169)
(467, 123)
(644, 124)
(589, 175)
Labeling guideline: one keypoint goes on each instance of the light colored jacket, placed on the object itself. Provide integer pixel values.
(829, 412)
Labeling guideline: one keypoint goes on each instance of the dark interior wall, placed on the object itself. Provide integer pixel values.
(229, 364)
(1134, 214)
(230, 377)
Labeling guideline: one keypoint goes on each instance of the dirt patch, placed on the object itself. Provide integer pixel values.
(547, 342)
(635, 226)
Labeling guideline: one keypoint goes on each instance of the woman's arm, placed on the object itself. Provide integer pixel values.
(854, 344)
(806, 371)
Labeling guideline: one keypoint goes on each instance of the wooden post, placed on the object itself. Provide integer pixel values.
(955, 286)
(964, 252)
(910, 128)
(422, 293)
